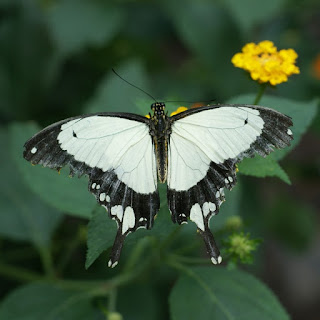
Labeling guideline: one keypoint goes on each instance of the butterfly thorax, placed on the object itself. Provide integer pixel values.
(160, 130)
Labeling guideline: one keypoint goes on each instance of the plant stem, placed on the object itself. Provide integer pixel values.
(112, 300)
(68, 252)
(262, 88)
(190, 260)
(19, 274)
(47, 263)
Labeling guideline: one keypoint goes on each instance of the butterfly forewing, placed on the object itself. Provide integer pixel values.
(205, 145)
(116, 152)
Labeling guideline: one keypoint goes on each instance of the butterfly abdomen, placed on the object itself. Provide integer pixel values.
(161, 149)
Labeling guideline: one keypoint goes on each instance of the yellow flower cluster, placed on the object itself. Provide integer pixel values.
(265, 63)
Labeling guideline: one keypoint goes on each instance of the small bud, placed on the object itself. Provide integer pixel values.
(241, 247)
(114, 316)
(234, 223)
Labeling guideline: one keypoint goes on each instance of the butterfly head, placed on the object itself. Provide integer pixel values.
(158, 108)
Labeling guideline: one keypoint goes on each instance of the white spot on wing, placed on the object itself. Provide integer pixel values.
(230, 179)
(117, 211)
(212, 206)
(213, 260)
(208, 207)
(218, 194)
(34, 150)
(93, 185)
(289, 132)
(196, 216)
(108, 198)
(102, 196)
(205, 209)
(129, 220)
(219, 259)
(98, 186)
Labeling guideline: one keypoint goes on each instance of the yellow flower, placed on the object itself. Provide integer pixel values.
(265, 63)
(180, 109)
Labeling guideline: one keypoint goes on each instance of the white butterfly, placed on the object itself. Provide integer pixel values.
(195, 152)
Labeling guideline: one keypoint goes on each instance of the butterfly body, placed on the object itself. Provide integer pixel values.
(195, 152)
(160, 132)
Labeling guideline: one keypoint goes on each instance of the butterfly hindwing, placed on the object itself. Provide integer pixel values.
(116, 152)
(205, 145)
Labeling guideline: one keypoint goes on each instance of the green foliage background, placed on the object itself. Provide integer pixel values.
(55, 62)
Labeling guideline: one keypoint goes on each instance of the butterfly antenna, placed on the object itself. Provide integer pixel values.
(133, 85)
(207, 101)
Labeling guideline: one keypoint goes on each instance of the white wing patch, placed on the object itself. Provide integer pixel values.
(113, 143)
(210, 135)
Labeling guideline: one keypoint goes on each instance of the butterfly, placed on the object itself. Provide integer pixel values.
(195, 152)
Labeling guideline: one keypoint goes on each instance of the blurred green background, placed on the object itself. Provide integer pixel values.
(55, 62)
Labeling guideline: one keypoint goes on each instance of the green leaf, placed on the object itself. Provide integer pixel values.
(42, 301)
(260, 11)
(263, 167)
(23, 215)
(129, 302)
(76, 24)
(217, 293)
(302, 114)
(101, 234)
(58, 190)
(113, 94)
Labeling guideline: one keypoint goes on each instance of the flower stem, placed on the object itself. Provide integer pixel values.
(261, 91)
(112, 300)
